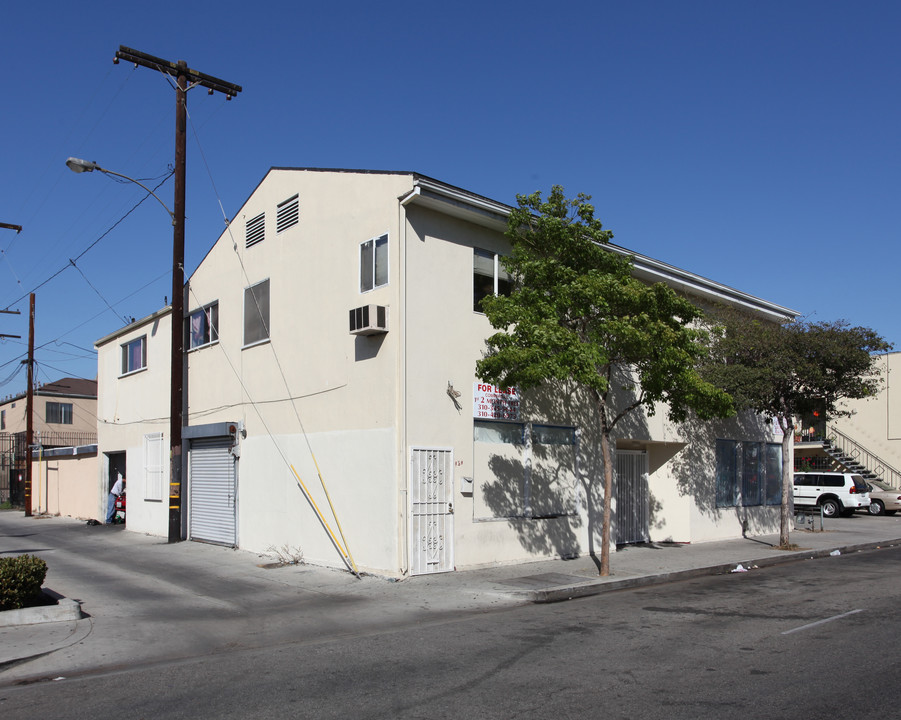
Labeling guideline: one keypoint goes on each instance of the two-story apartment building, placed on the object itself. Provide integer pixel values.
(332, 333)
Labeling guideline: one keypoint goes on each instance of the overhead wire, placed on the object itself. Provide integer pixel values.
(91, 246)
(99, 294)
(348, 555)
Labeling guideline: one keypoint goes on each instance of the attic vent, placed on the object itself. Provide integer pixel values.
(255, 229)
(287, 214)
(369, 320)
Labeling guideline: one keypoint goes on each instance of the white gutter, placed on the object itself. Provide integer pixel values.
(489, 213)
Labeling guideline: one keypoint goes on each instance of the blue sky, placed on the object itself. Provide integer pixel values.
(756, 144)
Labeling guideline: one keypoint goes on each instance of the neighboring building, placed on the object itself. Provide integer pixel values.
(64, 482)
(64, 414)
(333, 328)
(869, 441)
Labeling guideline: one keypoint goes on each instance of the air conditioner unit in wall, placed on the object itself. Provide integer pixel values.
(369, 320)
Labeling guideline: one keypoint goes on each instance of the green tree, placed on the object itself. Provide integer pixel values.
(577, 315)
(788, 370)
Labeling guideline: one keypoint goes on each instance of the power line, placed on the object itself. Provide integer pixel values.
(89, 247)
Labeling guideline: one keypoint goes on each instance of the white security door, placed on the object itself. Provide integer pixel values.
(212, 491)
(632, 497)
(432, 518)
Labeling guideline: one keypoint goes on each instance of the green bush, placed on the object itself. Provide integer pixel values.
(21, 578)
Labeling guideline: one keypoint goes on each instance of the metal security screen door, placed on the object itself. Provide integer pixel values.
(212, 491)
(432, 519)
(632, 497)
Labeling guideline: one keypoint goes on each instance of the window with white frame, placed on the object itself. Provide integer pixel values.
(154, 467)
(489, 277)
(374, 263)
(59, 413)
(256, 313)
(203, 326)
(134, 355)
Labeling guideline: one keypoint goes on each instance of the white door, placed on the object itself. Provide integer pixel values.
(431, 510)
(212, 487)
(632, 497)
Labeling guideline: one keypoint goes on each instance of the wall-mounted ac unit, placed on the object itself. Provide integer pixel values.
(369, 320)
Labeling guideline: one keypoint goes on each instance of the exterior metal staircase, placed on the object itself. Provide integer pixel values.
(854, 457)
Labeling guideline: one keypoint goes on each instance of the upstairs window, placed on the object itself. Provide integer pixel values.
(488, 277)
(59, 413)
(256, 313)
(374, 263)
(203, 326)
(255, 230)
(287, 214)
(134, 355)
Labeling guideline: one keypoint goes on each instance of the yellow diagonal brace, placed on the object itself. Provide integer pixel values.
(320, 515)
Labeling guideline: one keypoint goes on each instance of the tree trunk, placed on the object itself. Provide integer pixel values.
(788, 474)
(608, 496)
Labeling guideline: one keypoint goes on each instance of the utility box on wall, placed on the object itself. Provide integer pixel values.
(369, 320)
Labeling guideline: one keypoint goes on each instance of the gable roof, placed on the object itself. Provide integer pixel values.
(64, 387)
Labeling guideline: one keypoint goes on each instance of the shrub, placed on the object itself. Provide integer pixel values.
(21, 578)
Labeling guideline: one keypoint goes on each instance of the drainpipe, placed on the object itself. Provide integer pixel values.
(404, 455)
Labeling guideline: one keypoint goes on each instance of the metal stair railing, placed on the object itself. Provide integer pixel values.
(852, 452)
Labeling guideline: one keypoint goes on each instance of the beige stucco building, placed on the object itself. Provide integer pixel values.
(872, 434)
(332, 335)
(64, 414)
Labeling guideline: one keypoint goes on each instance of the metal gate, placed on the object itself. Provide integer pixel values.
(212, 491)
(432, 519)
(632, 497)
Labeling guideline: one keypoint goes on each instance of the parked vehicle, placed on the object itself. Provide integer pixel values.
(836, 493)
(884, 499)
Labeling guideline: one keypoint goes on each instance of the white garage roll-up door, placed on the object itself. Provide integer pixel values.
(212, 491)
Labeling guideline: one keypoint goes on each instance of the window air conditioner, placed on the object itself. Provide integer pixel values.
(369, 320)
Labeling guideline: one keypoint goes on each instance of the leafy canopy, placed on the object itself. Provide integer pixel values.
(795, 368)
(576, 313)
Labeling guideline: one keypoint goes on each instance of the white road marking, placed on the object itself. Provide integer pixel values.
(821, 622)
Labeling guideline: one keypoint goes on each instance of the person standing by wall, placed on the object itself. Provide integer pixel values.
(117, 489)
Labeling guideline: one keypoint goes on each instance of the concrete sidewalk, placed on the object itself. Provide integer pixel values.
(142, 599)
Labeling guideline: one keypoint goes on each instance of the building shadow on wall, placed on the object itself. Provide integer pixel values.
(558, 501)
(695, 468)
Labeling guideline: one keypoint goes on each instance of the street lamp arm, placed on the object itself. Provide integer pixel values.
(77, 165)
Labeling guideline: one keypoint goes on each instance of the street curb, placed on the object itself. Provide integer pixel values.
(63, 611)
(571, 592)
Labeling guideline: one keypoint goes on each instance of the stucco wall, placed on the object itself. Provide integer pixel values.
(128, 407)
(66, 485)
(876, 423)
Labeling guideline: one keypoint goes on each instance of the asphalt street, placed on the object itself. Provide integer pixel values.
(806, 639)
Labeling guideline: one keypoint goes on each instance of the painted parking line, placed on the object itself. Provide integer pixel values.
(821, 622)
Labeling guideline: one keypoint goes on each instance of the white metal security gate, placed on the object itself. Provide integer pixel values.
(432, 518)
(632, 497)
(212, 491)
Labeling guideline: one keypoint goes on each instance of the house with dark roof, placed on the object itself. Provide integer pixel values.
(64, 414)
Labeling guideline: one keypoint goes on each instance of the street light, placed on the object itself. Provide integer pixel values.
(177, 358)
(77, 165)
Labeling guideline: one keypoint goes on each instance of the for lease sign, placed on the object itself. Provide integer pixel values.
(489, 402)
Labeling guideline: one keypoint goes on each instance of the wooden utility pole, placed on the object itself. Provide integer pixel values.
(183, 76)
(29, 407)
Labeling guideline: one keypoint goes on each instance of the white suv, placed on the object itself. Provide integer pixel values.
(835, 492)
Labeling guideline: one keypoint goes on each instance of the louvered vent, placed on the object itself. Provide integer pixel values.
(287, 214)
(255, 230)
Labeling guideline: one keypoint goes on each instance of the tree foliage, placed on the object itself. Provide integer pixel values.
(792, 369)
(577, 314)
